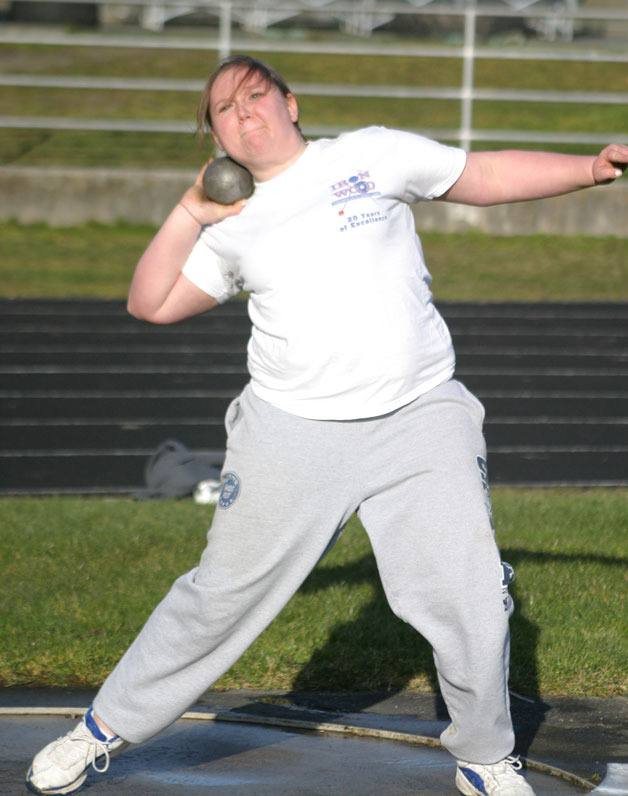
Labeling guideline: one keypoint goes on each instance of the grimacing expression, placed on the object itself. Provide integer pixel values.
(251, 119)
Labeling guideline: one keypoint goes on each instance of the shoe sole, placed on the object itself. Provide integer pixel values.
(73, 786)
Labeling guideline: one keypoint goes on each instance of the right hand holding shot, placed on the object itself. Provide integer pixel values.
(219, 191)
(226, 182)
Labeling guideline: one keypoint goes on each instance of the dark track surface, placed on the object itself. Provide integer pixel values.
(87, 392)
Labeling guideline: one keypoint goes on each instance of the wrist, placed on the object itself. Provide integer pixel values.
(594, 180)
(190, 213)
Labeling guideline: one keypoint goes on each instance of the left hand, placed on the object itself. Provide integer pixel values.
(610, 163)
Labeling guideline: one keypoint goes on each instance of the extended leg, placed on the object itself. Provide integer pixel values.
(283, 505)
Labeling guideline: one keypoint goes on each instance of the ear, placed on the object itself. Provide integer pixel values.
(293, 107)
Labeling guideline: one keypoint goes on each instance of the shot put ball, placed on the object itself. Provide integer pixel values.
(226, 182)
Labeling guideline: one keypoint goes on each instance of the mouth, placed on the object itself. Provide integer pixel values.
(251, 130)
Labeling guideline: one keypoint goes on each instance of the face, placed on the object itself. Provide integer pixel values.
(254, 123)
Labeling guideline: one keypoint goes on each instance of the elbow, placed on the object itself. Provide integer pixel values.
(142, 313)
(136, 310)
(489, 202)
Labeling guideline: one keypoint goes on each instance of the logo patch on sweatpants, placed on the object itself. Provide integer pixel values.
(483, 468)
(508, 577)
(229, 491)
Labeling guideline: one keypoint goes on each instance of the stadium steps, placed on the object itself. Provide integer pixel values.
(87, 392)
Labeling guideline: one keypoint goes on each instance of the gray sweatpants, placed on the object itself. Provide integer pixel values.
(417, 479)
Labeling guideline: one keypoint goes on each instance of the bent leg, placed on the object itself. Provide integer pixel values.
(277, 518)
(432, 536)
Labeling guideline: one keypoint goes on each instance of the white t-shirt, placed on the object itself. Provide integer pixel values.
(343, 324)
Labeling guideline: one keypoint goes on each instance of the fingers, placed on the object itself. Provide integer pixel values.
(238, 206)
(199, 177)
(231, 210)
(606, 172)
(611, 163)
(617, 152)
(618, 156)
(206, 212)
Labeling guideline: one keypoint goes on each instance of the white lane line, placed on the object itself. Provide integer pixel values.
(124, 423)
(71, 394)
(209, 329)
(89, 452)
(78, 370)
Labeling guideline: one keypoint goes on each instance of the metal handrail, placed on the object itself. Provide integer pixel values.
(468, 53)
(314, 131)
(321, 89)
(240, 44)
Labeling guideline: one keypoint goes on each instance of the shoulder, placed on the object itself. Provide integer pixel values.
(367, 142)
(387, 140)
(366, 136)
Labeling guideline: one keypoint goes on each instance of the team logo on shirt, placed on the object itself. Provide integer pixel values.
(356, 187)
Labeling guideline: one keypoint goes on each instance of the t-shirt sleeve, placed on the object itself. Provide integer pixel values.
(423, 168)
(209, 272)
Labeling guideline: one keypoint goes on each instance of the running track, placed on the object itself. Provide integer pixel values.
(87, 392)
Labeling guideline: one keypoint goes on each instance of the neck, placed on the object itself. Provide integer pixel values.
(266, 171)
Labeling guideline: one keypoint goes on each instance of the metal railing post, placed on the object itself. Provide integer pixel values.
(224, 31)
(468, 61)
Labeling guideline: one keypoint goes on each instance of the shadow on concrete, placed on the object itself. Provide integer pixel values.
(244, 760)
(187, 746)
(393, 653)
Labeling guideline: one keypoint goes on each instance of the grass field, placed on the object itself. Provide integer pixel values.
(380, 70)
(57, 147)
(97, 261)
(80, 576)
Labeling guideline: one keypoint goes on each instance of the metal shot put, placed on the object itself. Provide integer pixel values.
(226, 182)
(352, 406)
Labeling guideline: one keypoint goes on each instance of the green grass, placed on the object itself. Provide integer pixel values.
(34, 147)
(101, 149)
(302, 68)
(80, 576)
(98, 261)
(478, 267)
(343, 111)
(89, 261)
(196, 64)
(552, 117)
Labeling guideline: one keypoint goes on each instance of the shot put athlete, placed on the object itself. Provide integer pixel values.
(351, 406)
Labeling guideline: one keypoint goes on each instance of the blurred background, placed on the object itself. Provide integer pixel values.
(97, 143)
(116, 84)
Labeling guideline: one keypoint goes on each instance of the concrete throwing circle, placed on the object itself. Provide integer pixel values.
(237, 759)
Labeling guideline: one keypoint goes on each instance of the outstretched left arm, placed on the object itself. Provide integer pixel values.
(491, 178)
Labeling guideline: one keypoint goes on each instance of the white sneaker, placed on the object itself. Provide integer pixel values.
(498, 779)
(62, 766)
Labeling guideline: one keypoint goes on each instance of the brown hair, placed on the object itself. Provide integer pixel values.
(252, 67)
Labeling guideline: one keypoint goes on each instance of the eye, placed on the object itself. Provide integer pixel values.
(224, 107)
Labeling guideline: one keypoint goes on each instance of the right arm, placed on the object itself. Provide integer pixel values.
(159, 292)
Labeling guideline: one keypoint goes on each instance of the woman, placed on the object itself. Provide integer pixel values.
(351, 407)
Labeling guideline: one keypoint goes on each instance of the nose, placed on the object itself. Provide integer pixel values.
(242, 110)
